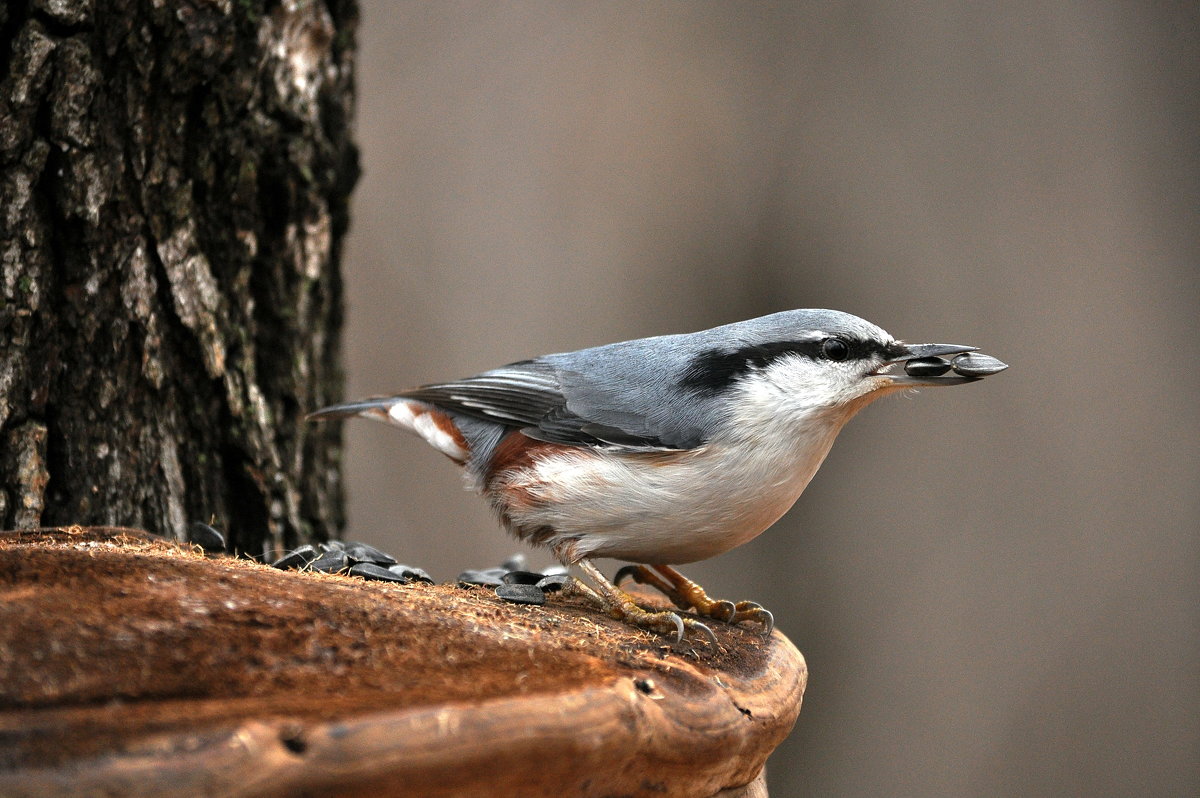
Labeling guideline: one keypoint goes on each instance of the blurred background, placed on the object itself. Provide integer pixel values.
(997, 586)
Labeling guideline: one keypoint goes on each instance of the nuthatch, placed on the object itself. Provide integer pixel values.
(665, 450)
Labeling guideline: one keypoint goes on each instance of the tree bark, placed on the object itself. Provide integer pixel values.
(174, 179)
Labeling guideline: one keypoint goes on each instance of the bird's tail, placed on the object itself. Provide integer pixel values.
(376, 407)
(421, 418)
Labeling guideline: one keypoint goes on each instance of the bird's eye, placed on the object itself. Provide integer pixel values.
(835, 349)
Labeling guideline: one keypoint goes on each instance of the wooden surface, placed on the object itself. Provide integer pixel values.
(130, 666)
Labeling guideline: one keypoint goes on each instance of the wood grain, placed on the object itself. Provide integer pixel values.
(589, 708)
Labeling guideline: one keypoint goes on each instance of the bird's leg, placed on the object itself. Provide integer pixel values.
(711, 608)
(643, 575)
(618, 604)
(685, 593)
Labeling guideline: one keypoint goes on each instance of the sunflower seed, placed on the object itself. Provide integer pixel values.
(296, 558)
(411, 573)
(489, 578)
(369, 570)
(521, 594)
(927, 367)
(331, 562)
(975, 364)
(521, 578)
(363, 552)
(553, 582)
(206, 537)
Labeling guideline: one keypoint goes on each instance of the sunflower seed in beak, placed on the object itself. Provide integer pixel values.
(975, 364)
(927, 367)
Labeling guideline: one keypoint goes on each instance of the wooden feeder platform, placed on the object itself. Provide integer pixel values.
(130, 665)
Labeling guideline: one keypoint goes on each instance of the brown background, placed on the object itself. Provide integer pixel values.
(996, 586)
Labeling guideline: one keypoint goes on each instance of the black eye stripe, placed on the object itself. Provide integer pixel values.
(835, 349)
(716, 370)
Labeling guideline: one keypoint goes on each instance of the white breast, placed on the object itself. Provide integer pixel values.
(679, 507)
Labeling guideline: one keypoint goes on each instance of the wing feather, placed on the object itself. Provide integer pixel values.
(530, 395)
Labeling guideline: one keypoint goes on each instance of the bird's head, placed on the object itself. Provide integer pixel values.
(819, 363)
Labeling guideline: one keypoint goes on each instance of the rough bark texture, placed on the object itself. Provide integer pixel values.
(174, 179)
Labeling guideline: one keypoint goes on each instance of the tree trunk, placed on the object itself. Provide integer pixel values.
(174, 180)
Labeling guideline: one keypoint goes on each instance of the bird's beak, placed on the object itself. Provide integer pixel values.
(926, 364)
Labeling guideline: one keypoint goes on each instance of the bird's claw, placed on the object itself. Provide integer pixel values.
(709, 636)
(686, 593)
(620, 605)
(679, 627)
(730, 613)
(683, 592)
(673, 625)
(667, 623)
(751, 611)
(723, 610)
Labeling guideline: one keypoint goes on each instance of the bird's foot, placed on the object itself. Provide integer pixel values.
(616, 603)
(684, 593)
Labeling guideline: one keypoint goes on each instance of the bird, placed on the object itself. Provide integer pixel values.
(665, 450)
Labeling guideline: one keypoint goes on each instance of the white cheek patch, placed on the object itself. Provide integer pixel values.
(433, 426)
(799, 387)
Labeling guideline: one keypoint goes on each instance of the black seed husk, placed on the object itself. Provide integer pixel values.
(975, 364)
(411, 573)
(521, 594)
(206, 537)
(364, 552)
(296, 558)
(331, 562)
(522, 578)
(553, 582)
(927, 367)
(369, 570)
